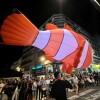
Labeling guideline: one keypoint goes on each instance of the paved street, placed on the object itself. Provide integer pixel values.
(91, 93)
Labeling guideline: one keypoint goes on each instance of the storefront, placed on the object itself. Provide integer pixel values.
(96, 67)
(47, 69)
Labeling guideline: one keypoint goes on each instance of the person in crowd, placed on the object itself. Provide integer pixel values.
(92, 79)
(47, 85)
(43, 89)
(58, 89)
(90, 83)
(29, 90)
(96, 78)
(34, 87)
(1, 87)
(75, 82)
(99, 77)
(9, 90)
(23, 90)
(38, 92)
(51, 82)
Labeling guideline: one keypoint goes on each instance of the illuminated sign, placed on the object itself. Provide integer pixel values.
(37, 67)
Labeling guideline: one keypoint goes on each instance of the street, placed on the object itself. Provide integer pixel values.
(91, 93)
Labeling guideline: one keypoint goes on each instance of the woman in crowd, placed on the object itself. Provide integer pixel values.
(75, 82)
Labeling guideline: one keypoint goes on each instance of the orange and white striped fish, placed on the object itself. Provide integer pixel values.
(63, 45)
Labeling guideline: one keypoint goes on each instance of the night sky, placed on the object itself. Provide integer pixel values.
(82, 12)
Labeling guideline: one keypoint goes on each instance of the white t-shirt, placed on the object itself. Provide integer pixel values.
(75, 80)
(35, 84)
(48, 81)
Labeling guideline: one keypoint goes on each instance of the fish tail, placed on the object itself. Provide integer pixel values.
(18, 29)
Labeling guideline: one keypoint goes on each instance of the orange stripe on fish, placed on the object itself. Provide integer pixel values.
(55, 41)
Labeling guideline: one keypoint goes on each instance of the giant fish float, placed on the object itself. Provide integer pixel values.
(63, 45)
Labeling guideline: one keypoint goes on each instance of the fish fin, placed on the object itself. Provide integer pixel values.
(18, 29)
(50, 26)
(66, 26)
(67, 68)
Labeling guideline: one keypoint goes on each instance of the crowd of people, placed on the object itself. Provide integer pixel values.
(55, 86)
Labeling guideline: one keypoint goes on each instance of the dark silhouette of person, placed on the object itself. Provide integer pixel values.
(59, 87)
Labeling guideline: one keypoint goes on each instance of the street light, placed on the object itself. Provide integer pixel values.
(18, 69)
(46, 62)
(42, 58)
(96, 4)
